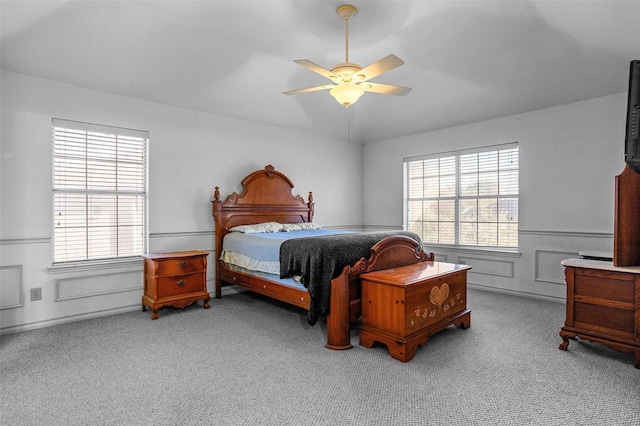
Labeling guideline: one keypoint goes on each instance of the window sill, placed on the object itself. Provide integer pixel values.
(128, 263)
(474, 250)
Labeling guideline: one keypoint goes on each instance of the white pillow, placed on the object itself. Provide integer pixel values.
(257, 228)
(288, 227)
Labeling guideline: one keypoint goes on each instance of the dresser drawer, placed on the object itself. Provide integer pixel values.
(599, 317)
(604, 285)
(170, 267)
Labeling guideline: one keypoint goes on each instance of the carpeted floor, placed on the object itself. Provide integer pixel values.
(251, 361)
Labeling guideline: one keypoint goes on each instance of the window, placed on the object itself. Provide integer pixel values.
(465, 198)
(99, 192)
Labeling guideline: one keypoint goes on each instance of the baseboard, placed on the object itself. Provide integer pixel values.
(517, 293)
(81, 317)
(73, 318)
(226, 291)
(232, 289)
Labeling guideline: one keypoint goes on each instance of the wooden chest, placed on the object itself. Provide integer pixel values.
(175, 279)
(402, 307)
(603, 305)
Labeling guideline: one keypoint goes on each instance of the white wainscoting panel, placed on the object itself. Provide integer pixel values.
(547, 267)
(96, 285)
(499, 268)
(12, 292)
(440, 257)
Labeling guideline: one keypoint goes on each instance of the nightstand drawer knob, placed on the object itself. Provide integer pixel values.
(182, 264)
(181, 283)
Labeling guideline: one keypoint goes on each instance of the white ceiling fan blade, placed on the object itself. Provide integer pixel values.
(385, 89)
(383, 65)
(316, 68)
(308, 89)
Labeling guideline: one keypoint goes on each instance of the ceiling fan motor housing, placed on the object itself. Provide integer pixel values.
(347, 71)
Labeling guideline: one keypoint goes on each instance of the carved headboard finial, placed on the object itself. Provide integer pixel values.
(216, 194)
(269, 168)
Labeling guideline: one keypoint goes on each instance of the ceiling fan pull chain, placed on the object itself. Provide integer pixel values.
(348, 127)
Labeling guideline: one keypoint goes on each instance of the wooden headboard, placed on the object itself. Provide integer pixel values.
(266, 197)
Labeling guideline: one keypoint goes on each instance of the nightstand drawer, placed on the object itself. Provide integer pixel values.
(173, 267)
(181, 284)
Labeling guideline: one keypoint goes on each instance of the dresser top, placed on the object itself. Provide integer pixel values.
(599, 264)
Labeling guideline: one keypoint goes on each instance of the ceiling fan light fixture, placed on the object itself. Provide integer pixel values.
(346, 94)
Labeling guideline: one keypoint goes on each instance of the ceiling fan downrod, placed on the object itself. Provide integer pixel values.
(346, 12)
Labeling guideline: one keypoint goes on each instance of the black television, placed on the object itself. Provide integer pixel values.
(632, 138)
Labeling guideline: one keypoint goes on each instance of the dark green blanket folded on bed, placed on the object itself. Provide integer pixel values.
(317, 260)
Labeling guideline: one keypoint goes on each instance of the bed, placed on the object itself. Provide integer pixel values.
(267, 198)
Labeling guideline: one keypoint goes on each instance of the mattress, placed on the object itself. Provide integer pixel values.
(259, 254)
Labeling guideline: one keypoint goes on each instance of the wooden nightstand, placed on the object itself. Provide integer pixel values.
(175, 279)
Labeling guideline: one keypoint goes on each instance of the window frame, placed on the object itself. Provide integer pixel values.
(458, 197)
(111, 134)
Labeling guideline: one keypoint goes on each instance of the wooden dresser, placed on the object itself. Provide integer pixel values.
(603, 305)
(175, 279)
(403, 306)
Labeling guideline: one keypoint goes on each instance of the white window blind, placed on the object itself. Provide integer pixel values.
(99, 192)
(466, 198)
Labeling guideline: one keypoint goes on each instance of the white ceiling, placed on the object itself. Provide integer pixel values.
(466, 61)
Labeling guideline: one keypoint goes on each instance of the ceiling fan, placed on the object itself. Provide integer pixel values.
(350, 79)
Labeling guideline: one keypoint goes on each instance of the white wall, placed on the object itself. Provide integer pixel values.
(190, 154)
(569, 156)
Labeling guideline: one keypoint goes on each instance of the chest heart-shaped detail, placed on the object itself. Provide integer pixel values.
(439, 294)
